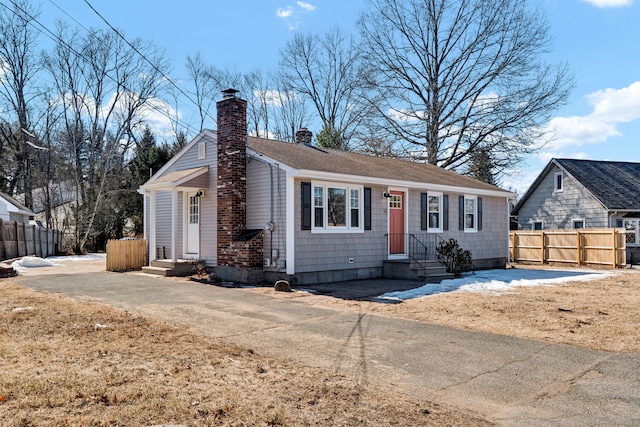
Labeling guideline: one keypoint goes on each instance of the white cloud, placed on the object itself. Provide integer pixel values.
(284, 13)
(609, 3)
(610, 108)
(306, 6)
(291, 13)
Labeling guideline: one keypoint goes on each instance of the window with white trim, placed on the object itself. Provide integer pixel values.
(537, 225)
(202, 153)
(577, 223)
(434, 212)
(558, 182)
(337, 208)
(470, 213)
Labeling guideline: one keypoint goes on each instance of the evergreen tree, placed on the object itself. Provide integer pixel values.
(148, 159)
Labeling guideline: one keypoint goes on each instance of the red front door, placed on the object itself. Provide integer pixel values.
(396, 223)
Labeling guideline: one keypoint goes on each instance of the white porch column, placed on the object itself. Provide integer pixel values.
(152, 226)
(174, 225)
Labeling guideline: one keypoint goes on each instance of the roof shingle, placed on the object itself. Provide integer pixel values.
(303, 157)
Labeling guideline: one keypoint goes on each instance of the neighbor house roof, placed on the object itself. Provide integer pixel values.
(15, 206)
(309, 158)
(614, 184)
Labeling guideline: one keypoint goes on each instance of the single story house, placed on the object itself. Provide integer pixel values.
(12, 210)
(258, 209)
(572, 193)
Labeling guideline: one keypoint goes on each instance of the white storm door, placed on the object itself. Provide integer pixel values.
(193, 224)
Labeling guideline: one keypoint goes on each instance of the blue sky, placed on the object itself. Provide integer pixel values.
(599, 39)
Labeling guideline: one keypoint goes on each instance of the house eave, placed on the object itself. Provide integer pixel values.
(175, 184)
(356, 179)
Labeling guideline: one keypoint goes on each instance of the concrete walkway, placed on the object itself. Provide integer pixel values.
(511, 381)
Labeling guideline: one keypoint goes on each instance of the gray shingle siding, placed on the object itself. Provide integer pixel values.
(489, 243)
(328, 251)
(557, 209)
(318, 252)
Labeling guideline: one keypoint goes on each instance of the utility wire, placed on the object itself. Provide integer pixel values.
(55, 38)
(144, 57)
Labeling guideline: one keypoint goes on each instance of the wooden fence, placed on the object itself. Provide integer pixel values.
(123, 255)
(602, 246)
(20, 239)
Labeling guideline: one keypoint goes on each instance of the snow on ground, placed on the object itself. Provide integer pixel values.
(34, 262)
(495, 281)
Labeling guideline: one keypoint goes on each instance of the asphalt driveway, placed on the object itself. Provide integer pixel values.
(514, 382)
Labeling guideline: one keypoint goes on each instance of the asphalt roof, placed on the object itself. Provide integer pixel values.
(615, 184)
(303, 157)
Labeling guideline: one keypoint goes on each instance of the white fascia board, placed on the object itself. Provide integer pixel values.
(330, 176)
(180, 153)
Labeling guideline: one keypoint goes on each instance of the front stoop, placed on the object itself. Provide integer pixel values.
(429, 271)
(168, 269)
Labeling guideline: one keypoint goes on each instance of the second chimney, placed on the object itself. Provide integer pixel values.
(304, 136)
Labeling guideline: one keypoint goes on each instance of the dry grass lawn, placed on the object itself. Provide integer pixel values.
(69, 363)
(602, 314)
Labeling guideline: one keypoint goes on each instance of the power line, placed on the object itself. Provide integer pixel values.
(144, 57)
(55, 38)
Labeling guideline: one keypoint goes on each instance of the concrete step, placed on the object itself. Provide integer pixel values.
(158, 271)
(180, 268)
(430, 271)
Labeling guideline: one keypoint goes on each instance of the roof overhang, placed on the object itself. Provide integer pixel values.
(176, 180)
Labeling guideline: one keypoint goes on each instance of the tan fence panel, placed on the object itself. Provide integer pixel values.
(527, 246)
(123, 255)
(605, 246)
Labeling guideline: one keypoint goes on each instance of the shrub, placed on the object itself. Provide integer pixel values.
(454, 258)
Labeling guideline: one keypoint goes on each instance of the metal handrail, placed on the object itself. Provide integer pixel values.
(420, 248)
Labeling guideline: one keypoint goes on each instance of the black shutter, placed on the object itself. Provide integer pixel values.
(423, 211)
(479, 213)
(367, 208)
(305, 192)
(445, 212)
(461, 213)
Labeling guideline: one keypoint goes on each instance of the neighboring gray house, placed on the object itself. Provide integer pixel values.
(12, 210)
(258, 209)
(572, 193)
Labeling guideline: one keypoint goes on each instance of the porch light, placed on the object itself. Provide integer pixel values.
(386, 195)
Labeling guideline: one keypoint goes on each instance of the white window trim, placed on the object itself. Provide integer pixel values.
(555, 182)
(439, 228)
(475, 214)
(337, 230)
(202, 150)
(533, 225)
(573, 223)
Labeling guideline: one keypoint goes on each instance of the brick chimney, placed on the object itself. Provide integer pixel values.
(304, 136)
(232, 173)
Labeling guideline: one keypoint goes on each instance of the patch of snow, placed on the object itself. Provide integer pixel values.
(99, 326)
(495, 281)
(87, 257)
(32, 262)
(18, 309)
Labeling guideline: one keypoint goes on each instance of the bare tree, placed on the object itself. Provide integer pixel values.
(206, 83)
(450, 76)
(326, 70)
(19, 66)
(104, 86)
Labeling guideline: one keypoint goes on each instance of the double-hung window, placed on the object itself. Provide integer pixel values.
(434, 212)
(336, 207)
(470, 216)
